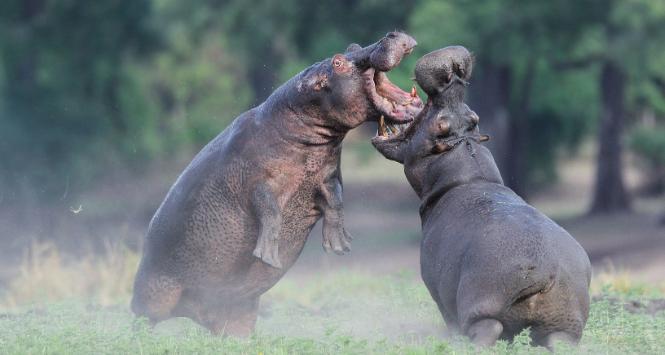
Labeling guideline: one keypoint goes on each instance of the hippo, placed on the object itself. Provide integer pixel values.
(238, 217)
(493, 264)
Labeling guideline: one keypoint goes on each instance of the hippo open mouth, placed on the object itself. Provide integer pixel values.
(389, 101)
(393, 104)
(394, 130)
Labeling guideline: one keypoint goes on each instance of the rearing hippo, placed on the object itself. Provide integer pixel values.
(493, 264)
(238, 216)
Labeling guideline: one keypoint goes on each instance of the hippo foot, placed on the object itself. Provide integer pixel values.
(485, 332)
(552, 339)
(268, 251)
(337, 240)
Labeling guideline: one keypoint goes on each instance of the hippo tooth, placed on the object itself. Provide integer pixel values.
(484, 138)
(414, 93)
(382, 127)
(392, 129)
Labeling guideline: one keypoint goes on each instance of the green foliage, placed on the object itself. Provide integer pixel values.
(649, 142)
(65, 74)
(526, 44)
(197, 85)
(88, 87)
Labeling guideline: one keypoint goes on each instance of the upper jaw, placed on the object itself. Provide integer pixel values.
(391, 102)
(373, 61)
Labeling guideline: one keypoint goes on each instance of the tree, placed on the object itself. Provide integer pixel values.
(514, 89)
(610, 193)
(633, 27)
(279, 38)
(62, 73)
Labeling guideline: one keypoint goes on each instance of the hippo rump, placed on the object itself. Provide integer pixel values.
(238, 217)
(493, 264)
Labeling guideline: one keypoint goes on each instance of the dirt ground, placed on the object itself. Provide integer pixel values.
(381, 212)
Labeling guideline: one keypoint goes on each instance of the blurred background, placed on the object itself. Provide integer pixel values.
(104, 103)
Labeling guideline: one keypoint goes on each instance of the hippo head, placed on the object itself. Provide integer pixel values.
(443, 124)
(352, 87)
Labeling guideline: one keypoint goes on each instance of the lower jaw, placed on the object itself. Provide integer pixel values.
(387, 130)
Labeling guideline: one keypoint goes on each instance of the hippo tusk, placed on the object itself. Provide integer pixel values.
(382, 126)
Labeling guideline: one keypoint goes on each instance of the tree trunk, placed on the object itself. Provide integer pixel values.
(519, 137)
(610, 193)
(263, 71)
(23, 78)
(112, 101)
(489, 96)
(262, 79)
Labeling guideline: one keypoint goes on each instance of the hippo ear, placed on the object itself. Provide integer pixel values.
(352, 48)
(340, 64)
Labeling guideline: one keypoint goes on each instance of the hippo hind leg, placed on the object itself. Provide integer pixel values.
(479, 310)
(561, 316)
(551, 339)
(155, 297)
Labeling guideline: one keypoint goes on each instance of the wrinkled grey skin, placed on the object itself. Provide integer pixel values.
(238, 216)
(493, 264)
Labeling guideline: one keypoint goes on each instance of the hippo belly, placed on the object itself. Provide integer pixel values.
(198, 254)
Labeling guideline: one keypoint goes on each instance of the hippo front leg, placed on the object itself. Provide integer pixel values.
(270, 220)
(335, 237)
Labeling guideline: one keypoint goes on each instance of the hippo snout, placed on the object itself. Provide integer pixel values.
(435, 70)
(392, 48)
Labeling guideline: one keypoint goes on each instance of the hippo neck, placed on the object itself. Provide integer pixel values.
(467, 163)
(300, 122)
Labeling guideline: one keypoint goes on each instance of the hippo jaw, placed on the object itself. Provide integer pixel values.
(342, 92)
(386, 98)
(443, 75)
(392, 139)
(391, 102)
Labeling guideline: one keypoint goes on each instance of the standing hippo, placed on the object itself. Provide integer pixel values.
(493, 264)
(239, 215)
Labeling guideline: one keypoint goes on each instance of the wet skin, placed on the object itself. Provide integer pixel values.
(493, 264)
(238, 217)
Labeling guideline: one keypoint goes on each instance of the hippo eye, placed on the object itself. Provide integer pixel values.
(337, 63)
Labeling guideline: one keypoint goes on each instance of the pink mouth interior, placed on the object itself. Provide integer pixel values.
(396, 106)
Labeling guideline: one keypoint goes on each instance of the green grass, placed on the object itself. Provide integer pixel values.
(343, 313)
